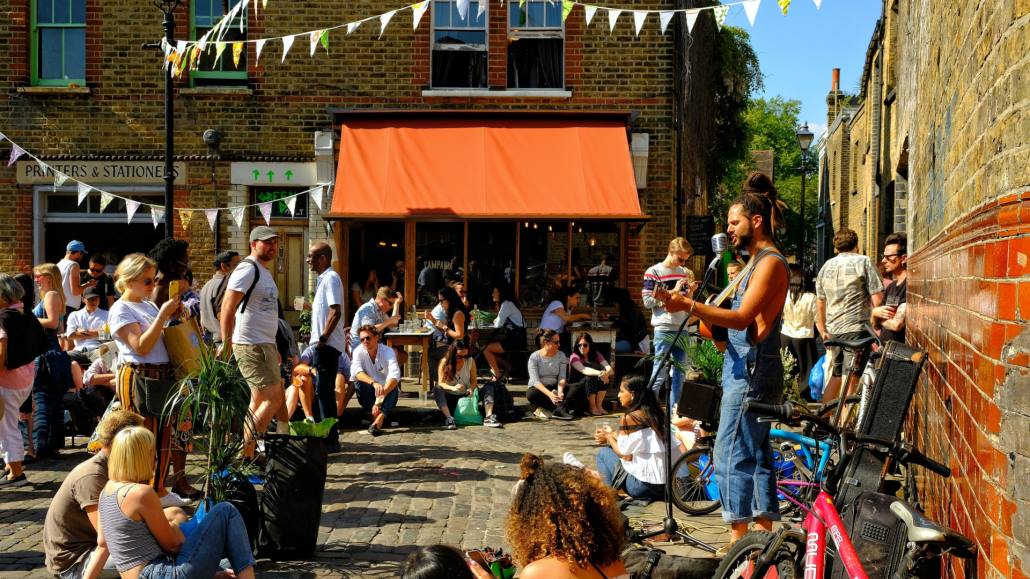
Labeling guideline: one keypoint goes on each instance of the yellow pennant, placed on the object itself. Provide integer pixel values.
(237, 52)
(784, 5)
(194, 56)
(185, 215)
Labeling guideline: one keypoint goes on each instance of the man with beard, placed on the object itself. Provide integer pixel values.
(890, 317)
(752, 368)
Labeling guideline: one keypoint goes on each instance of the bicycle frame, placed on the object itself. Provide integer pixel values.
(806, 443)
(824, 519)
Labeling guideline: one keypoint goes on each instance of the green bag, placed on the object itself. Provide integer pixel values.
(467, 411)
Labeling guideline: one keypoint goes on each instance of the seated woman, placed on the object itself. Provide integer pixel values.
(558, 314)
(634, 459)
(145, 541)
(631, 328)
(564, 523)
(593, 371)
(457, 379)
(549, 390)
(510, 318)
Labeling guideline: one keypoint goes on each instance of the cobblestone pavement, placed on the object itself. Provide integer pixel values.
(415, 485)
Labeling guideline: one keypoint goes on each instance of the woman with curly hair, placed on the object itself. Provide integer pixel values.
(564, 523)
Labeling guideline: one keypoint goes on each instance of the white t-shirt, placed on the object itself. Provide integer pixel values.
(83, 320)
(124, 313)
(70, 299)
(328, 293)
(508, 312)
(550, 320)
(260, 321)
(385, 366)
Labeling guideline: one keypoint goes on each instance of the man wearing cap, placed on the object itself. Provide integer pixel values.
(85, 325)
(249, 335)
(101, 280)
(212, 293)
(71, 275)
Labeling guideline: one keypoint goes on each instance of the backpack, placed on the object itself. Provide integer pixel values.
(504, 404)
(216, 301)
(26, 338)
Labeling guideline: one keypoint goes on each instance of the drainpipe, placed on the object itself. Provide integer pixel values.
(681, 72)
(876, 139)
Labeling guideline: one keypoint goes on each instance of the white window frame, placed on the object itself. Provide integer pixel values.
(433, 47)
(533, 32)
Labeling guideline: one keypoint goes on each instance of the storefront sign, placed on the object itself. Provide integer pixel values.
(99, 173)
(273, 174)
(279, 209)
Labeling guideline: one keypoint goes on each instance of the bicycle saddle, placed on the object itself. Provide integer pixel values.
(850, 344)
(923, 530)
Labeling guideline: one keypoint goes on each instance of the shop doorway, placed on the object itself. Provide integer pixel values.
(291, 269)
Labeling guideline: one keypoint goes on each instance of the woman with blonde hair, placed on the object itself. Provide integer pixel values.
(147, 542)
(136, 325)
(51, 307)
(53, 374)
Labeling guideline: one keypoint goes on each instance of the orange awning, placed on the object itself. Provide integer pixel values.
(485, 168)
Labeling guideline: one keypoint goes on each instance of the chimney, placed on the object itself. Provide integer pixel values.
(833, 99)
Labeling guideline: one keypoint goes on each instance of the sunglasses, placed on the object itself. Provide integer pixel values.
(555, 342)
(893, 256)
(148, 281)
(96, 270)
(364, 339)
(583, 345)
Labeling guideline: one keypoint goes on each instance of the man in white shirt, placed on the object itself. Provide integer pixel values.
(376, 375)
(327, 336)
(84, 327)
(250, 334)
(213, 291)
(71, 275)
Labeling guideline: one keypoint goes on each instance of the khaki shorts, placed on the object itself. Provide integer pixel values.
(259, 364)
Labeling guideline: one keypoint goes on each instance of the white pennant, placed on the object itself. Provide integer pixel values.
(613, 16)
(259, 46)
(212, 218)
(287, 43)
(314, 37)
(639, 16)
(2, 137)
(105, 200)
(202, 43)
(417, 10)
(180, 47)
(691, 19)
(664, 17)
(463, 9)
(84, 190)
(751, 9)
(291, 204)
(156, 215)
(130, 208)
(818, 4)
(16, 152)
(59, 179)
(43, 166)
(588, 12)
(316, 196)
(266, 212)
(482, 9)
(719, 12)
(352, 26)
(237, 215)
(384, 21)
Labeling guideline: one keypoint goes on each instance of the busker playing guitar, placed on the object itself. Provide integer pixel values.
(752, 368)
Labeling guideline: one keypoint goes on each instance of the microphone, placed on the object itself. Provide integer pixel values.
(720, 242)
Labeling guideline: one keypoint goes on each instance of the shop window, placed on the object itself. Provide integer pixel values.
(375, 246)
(595, 260)
(211, 69)
(543, 256)
(491, 260)
(536, 45)
(439, 258)
(58, 42)
(459, 53)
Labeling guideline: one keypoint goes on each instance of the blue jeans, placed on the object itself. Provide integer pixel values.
(367, 397)
(662, 344)
(609, 465)
(326, 360)
(221, 534)
(623, 347)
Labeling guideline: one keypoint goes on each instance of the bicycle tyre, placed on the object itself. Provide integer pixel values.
(692, 477)
(737, 562)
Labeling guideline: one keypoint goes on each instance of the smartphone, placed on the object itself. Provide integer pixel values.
(479, 558)
(173, 288)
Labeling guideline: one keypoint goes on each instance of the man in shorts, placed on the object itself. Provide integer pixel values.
(250, 334)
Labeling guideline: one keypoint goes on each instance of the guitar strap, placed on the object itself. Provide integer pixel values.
(730, 289)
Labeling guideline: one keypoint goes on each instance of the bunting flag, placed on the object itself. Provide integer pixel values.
(219, 49)
(316, 196)
(324, 40)
(84, 190)
(691, 20)
(185, 215)
(266, 212)
(719, 13)
(417, 10)
(566, 8)
(664, 17)
(588, 12)
(212, 218)
(291, 204)
(105, 200)
(130, 209)
(237, 215)
(639, 16)
(2, 137)
(202, 43)
(195, 56)
(384, 20)
(259, 46)
(314, 38)
(287, 43)
(784, 5)
(613, 17)
(751, 9)
(237, 52)
(352, 26)
(482, 9)
(59, 179)
(818, 4)
(156, 215)
(16, 152)
(463, 9)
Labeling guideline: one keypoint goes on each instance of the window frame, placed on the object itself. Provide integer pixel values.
(232, 75)
(34, 58)
(535, 33)
(484, 47)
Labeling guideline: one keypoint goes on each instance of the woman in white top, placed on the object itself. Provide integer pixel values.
(798, 327)
(558, 313)
(137, 325)
(634, 458)
(510, 318)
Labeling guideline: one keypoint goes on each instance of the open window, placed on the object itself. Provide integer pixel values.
(459, 54)
(212, 69)
(536, 45)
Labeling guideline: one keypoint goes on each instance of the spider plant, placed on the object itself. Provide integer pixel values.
(704, 360)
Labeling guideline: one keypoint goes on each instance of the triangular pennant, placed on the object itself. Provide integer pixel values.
(255, 8)
(266, 212)
(691, 16)
(105, 200)
(180, 47)
(417, 10)
(613, 17)
(237, 52)
(185, 215)
(59, 179)
(287, 43)
(156, 215)
(719, 13)
(264, 3)
(219, 49)
(751, 9)
(818, 4)
(784, 5)
(664, 17)
(316, 196)
(384, 21)
(291, 204)
(195, 57)
(482, 9)
(259, 46)
(202, 43)
(639, 16)
(237, 215)
(2, 137)
(43, 167)
(463, 9)
(313, 40)
(566, 8)
(16, 152)
(84, 190)
(352, 26)
(130, 208)
(212, 218)
(588, 12)
(324, 39)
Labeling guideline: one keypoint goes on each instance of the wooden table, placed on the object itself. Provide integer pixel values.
(422, 339)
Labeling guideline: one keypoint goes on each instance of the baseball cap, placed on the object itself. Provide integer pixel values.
(262, 233)
(90, 292)
(76, 245)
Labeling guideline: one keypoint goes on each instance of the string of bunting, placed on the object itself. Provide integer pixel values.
(157, 212)
(186, 53)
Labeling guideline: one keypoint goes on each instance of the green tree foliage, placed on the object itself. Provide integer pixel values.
(738, 77)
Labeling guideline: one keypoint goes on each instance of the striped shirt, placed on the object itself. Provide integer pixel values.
(659, 275)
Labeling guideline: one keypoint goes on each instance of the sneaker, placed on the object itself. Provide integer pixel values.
(450, 424)
(571, 460)
(561, 414)
(173, 500)
(492, 421)
(373, 431)
(542, 414)
(309, 419)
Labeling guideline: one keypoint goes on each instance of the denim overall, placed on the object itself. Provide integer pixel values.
(743, 456)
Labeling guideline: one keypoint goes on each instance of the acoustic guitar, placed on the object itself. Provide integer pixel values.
(719, 334)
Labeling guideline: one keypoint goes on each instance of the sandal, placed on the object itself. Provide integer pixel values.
(18, 481)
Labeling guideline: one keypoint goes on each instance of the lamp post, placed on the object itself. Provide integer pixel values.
(168, 8)
(804, 141)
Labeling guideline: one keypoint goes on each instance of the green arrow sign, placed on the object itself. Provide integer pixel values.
(257, 174)
(271, 176)
(289, 174)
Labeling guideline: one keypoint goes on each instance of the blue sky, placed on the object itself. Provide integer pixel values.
(797, 52)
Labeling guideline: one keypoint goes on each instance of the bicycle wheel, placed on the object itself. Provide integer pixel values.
(788, 473)
(739, 561)
(693, 482)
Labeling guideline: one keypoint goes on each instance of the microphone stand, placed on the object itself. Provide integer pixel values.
(669, 525)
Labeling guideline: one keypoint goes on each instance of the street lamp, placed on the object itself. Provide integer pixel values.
(804, 141)
(168, 8)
